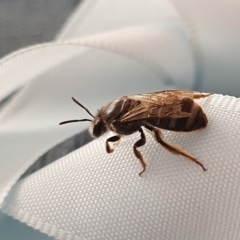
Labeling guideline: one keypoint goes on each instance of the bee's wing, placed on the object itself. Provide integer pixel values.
(156, 105)
(184, 94)
(165, 97)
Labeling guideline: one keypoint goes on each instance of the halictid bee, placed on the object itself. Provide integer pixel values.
(173, 110)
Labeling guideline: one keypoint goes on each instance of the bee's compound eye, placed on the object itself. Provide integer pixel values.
(99, 128)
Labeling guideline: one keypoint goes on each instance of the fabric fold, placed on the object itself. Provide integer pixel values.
(90, 194)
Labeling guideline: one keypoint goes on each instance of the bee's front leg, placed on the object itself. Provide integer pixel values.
(137, 153)
(111, 139)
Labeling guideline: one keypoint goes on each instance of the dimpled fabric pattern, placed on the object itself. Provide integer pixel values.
(90, 194)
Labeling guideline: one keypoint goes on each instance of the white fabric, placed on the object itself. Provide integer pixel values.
(211, 28)
(90, 194)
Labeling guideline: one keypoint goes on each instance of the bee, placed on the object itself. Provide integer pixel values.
(173, 110)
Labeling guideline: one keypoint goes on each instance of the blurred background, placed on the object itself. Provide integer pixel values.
(24, 23)
(27, 22)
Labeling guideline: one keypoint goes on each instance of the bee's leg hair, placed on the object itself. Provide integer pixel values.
(172, 148)
(137, 153)
(111, 139)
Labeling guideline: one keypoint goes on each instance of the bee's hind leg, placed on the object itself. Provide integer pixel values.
(172, 148)
(137, 153)
(111, 139)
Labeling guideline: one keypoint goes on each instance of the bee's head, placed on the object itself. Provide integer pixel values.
(97, 128)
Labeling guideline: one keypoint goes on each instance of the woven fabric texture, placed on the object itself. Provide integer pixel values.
(90, 194)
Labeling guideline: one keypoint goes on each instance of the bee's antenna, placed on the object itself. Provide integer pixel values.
(71, 121)
(78, 120)
(82, 106)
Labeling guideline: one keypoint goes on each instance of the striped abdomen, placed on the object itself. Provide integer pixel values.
(196, 121)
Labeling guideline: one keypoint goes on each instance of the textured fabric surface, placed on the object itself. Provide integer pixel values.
(92, 195)
(61, 149)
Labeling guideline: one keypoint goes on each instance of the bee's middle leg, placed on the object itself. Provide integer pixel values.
(172, 148)
(137, 153)
(111, 139)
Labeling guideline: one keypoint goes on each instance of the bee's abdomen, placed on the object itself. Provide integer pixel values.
(197, 120)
